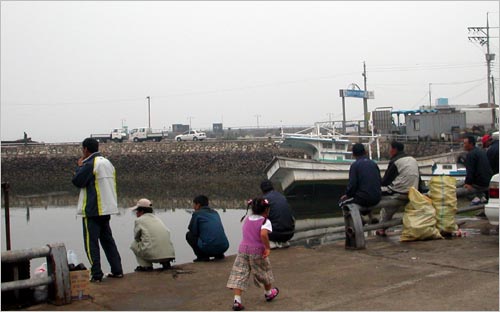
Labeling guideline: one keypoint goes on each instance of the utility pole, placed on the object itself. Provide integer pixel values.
(190, 117)
(149, 111)
(330, 119)
(482, 36)
(365, 99)
(257, 116)
(430, 102)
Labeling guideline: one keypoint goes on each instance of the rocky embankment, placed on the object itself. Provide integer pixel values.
(171, 173)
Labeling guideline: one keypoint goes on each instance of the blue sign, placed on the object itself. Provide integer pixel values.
(354, 93)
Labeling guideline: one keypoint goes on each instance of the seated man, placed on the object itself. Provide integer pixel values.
(478, 173)
(492, 152)
(151, 238)
(401, 174)
(364, 181)
(206, 234)
(280, 215)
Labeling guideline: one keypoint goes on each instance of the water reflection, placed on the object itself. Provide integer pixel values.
(36, 227)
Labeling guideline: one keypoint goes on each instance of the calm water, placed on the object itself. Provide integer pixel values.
(36, 227)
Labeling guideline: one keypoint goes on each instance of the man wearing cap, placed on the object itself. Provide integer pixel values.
(280, 215)
(96, 178)
(151, 238)
(206, 234)
(486, 141)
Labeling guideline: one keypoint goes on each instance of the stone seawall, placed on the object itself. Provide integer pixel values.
(164, 171)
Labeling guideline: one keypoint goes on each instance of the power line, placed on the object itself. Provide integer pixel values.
(262, 85)
(466, 91)
(88, 102)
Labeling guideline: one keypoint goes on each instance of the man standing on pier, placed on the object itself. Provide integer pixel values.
(96, 178)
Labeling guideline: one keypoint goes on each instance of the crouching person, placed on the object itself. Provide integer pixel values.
(151, 238)
(206, 233)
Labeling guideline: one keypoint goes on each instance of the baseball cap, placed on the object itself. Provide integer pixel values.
(485, 138)
(143, 202)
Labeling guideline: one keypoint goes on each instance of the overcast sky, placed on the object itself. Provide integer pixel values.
(69, 69)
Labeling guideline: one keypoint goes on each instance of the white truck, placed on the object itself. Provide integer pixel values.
(116, 135)
(147, 134)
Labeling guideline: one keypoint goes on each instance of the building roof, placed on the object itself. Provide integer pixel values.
(413, 111)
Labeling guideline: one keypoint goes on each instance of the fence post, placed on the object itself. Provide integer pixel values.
(57, 266)
(5, 188)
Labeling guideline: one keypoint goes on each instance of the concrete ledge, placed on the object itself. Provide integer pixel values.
(447, 275)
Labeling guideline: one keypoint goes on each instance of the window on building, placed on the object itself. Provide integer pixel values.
(416, 125)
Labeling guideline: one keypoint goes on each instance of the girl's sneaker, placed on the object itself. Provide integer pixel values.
(237, 306)
(274, 293)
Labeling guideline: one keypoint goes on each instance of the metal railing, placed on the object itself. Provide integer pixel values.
(57, 278)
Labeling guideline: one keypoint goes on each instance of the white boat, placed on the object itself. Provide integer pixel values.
(327, 160)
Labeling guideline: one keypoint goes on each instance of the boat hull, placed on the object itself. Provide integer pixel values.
(314, 187)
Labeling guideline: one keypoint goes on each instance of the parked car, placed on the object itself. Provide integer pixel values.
(191, 135)
(492, 207)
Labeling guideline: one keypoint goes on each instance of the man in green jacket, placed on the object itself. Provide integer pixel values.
(151, 238)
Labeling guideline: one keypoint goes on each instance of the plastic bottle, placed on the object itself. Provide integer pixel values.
(41, 293)
(72, 258)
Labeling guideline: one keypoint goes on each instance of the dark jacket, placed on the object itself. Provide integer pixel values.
(280, 214)
(478, 168)
(364, 181)
(207, 226)
(492, 154)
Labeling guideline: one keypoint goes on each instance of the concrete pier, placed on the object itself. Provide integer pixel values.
(449, 275)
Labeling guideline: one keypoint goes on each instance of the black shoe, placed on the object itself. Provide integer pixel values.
(166, 265)
(220, 257)
(95, 280)
(143, 269)
(201, 259)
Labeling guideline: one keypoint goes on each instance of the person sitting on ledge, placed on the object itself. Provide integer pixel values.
(401, 174)
(478, 173)
(280, 215)
(363, 187)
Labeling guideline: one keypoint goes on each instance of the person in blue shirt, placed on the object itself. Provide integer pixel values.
(364, 187)
(206, 234)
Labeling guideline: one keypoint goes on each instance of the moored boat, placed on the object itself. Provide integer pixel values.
(316, 181)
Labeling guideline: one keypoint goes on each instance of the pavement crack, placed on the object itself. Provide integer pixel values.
(449, 266)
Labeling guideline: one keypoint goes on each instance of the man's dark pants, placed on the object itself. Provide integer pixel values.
(193, 242)
(280, 237)
(95, 230)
